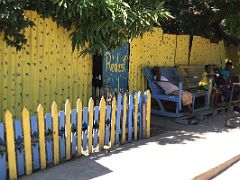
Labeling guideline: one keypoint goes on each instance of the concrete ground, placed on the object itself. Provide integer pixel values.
(180, 152)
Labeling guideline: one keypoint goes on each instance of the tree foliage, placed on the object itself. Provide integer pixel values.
(99, 24)
(202, 17)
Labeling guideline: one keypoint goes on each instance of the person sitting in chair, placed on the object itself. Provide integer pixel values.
(171, 89)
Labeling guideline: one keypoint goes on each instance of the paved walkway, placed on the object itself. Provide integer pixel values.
(179, 154)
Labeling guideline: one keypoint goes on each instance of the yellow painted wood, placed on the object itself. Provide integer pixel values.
(124, 120)
(113, 121)
(135, 116)
(12, 167)
(90, 124)
(55, 133)
(41, 130)
(1, 77)
(148, 113)
(79, 127)
(68, 129)
(182, 49)
(27, 141)
(102, 123)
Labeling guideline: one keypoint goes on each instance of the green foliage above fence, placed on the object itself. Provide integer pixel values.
(100, 25)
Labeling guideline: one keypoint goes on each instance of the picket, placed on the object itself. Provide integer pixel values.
(148, 113)
(68, 129)
(41, 130)
(55, 133)
(119, 114)
(35, 142)
(84, 128)
(19, 146)
(90, 125)
(27, 141)
(124, 119)
(130, 116)
(3, 164)
(135, 117)
(79, 127)
(12, 168)
(74, 131)
(42, 140)
(113, 122)
(62, 135)
(96, 126)
(102, 123)
(107, 125)
(49, 138)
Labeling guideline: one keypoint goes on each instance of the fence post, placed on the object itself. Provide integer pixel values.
(10, 146)
(90, 125)
(148, 115)
(55, 133)
(113, 122)
(27, 140)
(79, 127)
(135, 116)
(102, 122)
(68, 129)
(124, 120)
(41, 129)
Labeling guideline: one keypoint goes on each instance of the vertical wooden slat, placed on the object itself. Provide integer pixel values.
(108, 123)
(96, 126)
(140, 114)
(119, 114)
(55, 133)
(41, 129)
(84, 128)
(135, 116)
(124, 120)
(144, 120)
(113, 122)
(79, 127)
(148, 115)
(35, 143)
(130, 117)
(27, 141)
(62, 135)
(68, 129)
(12, 168)
(3, 161)
(74, 131)
(19, 147)
(90, 125)
(102, 122)
(49, 138)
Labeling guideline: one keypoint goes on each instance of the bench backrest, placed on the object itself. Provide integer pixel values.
(191, 75)
(170, 73)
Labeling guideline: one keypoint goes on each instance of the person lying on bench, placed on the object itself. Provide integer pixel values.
(171, 89)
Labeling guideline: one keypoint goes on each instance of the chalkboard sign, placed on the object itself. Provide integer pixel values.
(115, 69)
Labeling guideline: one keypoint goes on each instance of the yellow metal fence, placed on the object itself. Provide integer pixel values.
(36, 142)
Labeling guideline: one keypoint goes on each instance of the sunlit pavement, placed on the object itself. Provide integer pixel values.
(181, 154)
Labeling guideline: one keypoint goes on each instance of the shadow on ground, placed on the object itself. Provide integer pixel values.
(164, 131)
